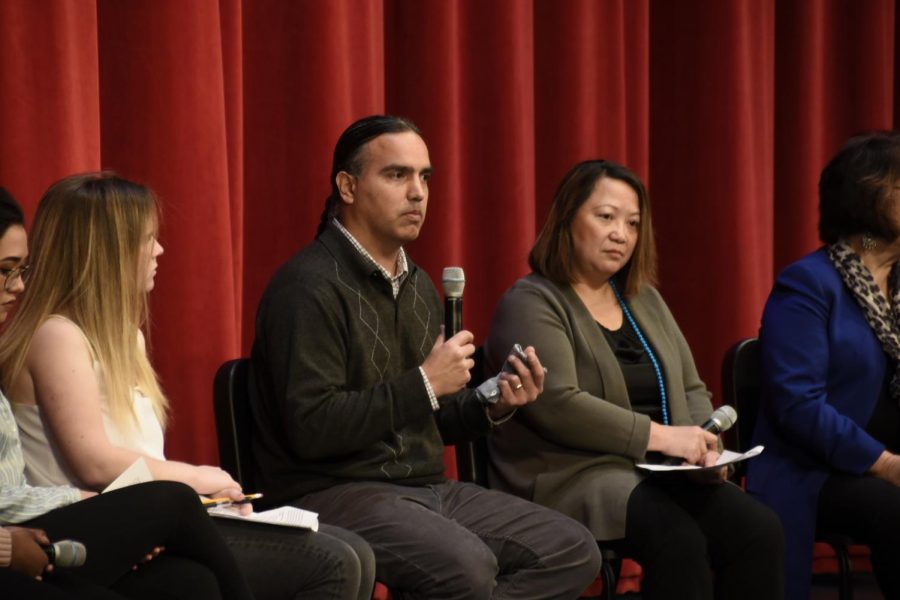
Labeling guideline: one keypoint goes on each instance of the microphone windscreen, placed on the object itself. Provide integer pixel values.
(69, 553)
(453, 282)
(725, 416)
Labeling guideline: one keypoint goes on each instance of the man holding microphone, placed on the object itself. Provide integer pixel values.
(359, 392)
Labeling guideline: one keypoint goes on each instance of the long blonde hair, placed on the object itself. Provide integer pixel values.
(86, 242)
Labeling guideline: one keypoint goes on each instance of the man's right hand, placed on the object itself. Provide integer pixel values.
(447, 366)
(27, 555)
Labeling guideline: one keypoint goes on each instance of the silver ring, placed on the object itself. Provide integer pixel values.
(518, 387)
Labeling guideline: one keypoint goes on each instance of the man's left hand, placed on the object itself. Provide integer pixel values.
(520, 388)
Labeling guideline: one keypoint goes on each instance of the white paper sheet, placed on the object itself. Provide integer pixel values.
(286, 516)
(728, 457)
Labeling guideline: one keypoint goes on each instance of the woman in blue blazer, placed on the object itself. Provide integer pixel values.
(830, 342)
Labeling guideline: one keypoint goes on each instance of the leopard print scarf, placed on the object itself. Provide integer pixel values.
(883, 320)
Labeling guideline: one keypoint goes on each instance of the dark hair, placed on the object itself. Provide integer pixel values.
(348, 154)
(552, 253)
(856, 189)
(10, 212)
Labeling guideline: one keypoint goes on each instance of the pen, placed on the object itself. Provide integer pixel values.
(207, 502)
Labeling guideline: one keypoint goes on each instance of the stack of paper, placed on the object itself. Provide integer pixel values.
(286, 516)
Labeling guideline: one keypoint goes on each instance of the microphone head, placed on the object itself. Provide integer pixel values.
(453, 282)
(69, 553)
(724, 417)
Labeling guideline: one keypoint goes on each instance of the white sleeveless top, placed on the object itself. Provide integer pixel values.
(45, 465)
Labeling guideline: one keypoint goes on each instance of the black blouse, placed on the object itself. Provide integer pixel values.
(640, 378)
(884, 424)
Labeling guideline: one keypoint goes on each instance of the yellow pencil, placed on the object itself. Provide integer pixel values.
(207, 502)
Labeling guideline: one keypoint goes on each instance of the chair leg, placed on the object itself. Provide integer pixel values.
(610, 571)
(845, 584)
(608, 574)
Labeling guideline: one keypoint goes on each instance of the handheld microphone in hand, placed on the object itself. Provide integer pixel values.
(66, 553)
(453, 282)
(721, 420)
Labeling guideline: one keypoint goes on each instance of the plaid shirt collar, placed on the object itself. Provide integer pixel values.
(402, 264)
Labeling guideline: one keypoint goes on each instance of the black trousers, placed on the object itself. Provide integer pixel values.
(697, 541)
(868, 510)
(193, 581)
(120, 527)
(16, 585)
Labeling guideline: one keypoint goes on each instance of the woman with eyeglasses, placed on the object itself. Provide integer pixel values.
(88, 402)
(118, 529)
(14, 279)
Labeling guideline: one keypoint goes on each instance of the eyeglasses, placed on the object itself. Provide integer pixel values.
(13, 275)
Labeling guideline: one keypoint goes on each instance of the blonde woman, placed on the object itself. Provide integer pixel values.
(118, 529)
(88, 402)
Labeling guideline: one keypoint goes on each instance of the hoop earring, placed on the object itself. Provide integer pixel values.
(868, 242)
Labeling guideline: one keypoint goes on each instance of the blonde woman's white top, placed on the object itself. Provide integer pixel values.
(45, 465)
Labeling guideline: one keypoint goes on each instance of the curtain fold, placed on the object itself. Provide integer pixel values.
(229, 109)
(484, 206)
(49, 95)
(310, 69)
(834, 77)
(592, 81)
(711, 164)
(163, 121)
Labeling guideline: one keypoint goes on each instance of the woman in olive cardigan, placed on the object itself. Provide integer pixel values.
(622, 388)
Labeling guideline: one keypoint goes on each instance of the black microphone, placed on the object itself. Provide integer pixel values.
(721, 420)
(453, 282)
(66, 553)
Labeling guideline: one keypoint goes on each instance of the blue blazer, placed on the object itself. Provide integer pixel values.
(822, 370)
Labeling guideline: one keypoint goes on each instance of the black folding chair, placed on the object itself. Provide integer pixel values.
(234, 421)
(742, 388)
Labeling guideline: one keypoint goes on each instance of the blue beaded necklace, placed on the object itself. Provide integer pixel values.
(643, 340)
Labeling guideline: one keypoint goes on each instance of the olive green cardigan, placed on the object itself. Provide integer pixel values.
(574, 449)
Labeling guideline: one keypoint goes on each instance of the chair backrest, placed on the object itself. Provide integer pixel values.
(234, 420)
(741, 387)
(472, 457)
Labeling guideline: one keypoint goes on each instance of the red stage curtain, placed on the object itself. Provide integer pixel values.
(711, 162)
(230, 109)
(49, 95)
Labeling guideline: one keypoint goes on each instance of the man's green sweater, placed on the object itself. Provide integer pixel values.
(339, 395)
